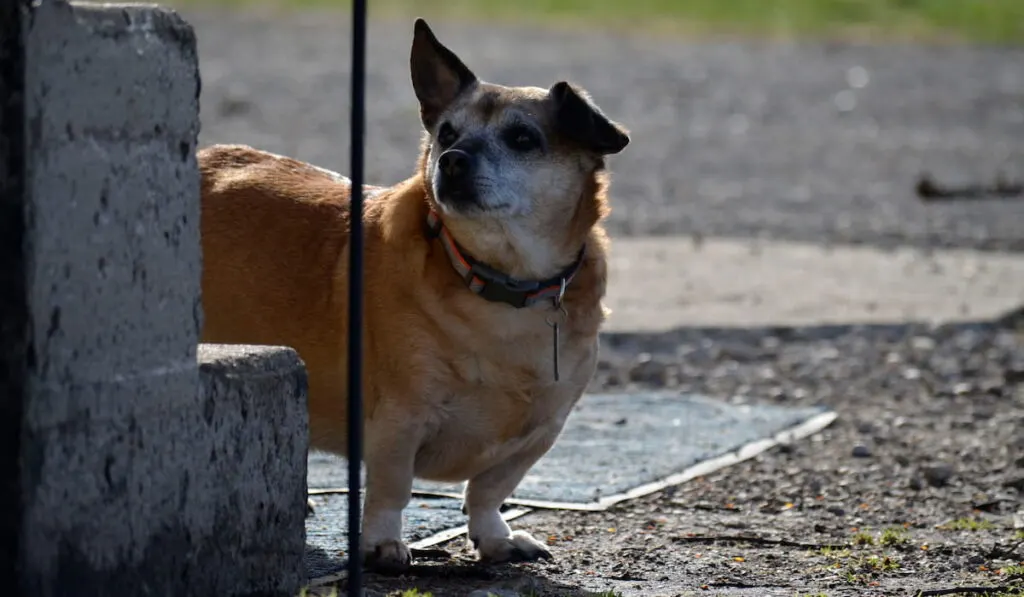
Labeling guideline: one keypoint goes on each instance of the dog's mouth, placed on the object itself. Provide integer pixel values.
(455, 181)
(457, 196)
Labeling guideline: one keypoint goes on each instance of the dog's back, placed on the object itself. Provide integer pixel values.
(273, 231)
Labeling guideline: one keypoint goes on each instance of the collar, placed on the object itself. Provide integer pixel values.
(494, 285)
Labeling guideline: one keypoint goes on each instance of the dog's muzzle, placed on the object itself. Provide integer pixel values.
(455, 183)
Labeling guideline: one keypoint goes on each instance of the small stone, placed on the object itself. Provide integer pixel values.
(865, 427)
(494, 593)
(1017, 483)
(922, 343)
(649, 370)
(861, 451)
(911, 373)
(838, 511)
(937, 475)
(916, 483)
(516, 588)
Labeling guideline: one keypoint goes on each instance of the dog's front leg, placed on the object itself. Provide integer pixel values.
(493, 539)
(389, 478)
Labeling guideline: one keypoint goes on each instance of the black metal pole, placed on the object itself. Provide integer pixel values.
(355, 299)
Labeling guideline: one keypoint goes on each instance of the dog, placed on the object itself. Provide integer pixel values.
(484, 276)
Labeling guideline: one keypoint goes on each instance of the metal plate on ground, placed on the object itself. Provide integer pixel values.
(615, 443)
(614, 447)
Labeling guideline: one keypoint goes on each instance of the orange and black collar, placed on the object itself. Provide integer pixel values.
(496, 286)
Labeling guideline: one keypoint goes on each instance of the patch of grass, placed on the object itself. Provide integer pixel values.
(305, 593)
(833, 553)
(894, 536)
(881, 563)
(998, 21)
(872, 564)
(863, 538)
(1019, 535)
(967, 524)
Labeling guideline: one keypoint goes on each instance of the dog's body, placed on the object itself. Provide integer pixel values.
(456, 387)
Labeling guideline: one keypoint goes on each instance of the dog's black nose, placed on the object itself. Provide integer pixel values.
(455, 163)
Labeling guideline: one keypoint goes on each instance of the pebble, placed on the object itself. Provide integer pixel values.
(916, 483)
(516, 588)
(649, 370)
(1017, 484)
(495, 593)
(836, 510)
(861, 451)
(937, 475)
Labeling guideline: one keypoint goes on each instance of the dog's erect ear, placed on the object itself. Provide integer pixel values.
(438, 76)
(581, 120)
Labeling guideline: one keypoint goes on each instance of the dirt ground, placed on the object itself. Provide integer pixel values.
(919, 484)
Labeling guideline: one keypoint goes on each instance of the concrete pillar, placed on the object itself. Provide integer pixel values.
(131, 464)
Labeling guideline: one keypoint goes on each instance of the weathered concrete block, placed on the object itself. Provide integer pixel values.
(127, 468)
(254, 398)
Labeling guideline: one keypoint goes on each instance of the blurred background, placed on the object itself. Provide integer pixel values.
(809, 120)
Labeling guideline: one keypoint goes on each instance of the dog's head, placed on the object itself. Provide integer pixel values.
(505, 152)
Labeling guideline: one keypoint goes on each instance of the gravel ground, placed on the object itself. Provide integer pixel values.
(928, 446)
(816, 143)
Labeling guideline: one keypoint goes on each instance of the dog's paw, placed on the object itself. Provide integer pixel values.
(388, 557)
(310, 508)
(517, 547)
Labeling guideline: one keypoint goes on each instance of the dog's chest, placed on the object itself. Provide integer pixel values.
(500, 404)
(478, 431)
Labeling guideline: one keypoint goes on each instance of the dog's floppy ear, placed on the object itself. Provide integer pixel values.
(438, 75)
(581, 120)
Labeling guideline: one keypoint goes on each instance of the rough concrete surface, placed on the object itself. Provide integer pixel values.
(135, 471)
(254, 401)
(14, 309)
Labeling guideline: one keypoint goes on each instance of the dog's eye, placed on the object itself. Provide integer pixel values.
(521, 138)
(446, 135)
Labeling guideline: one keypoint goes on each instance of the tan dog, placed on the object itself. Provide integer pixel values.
(484, 275)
